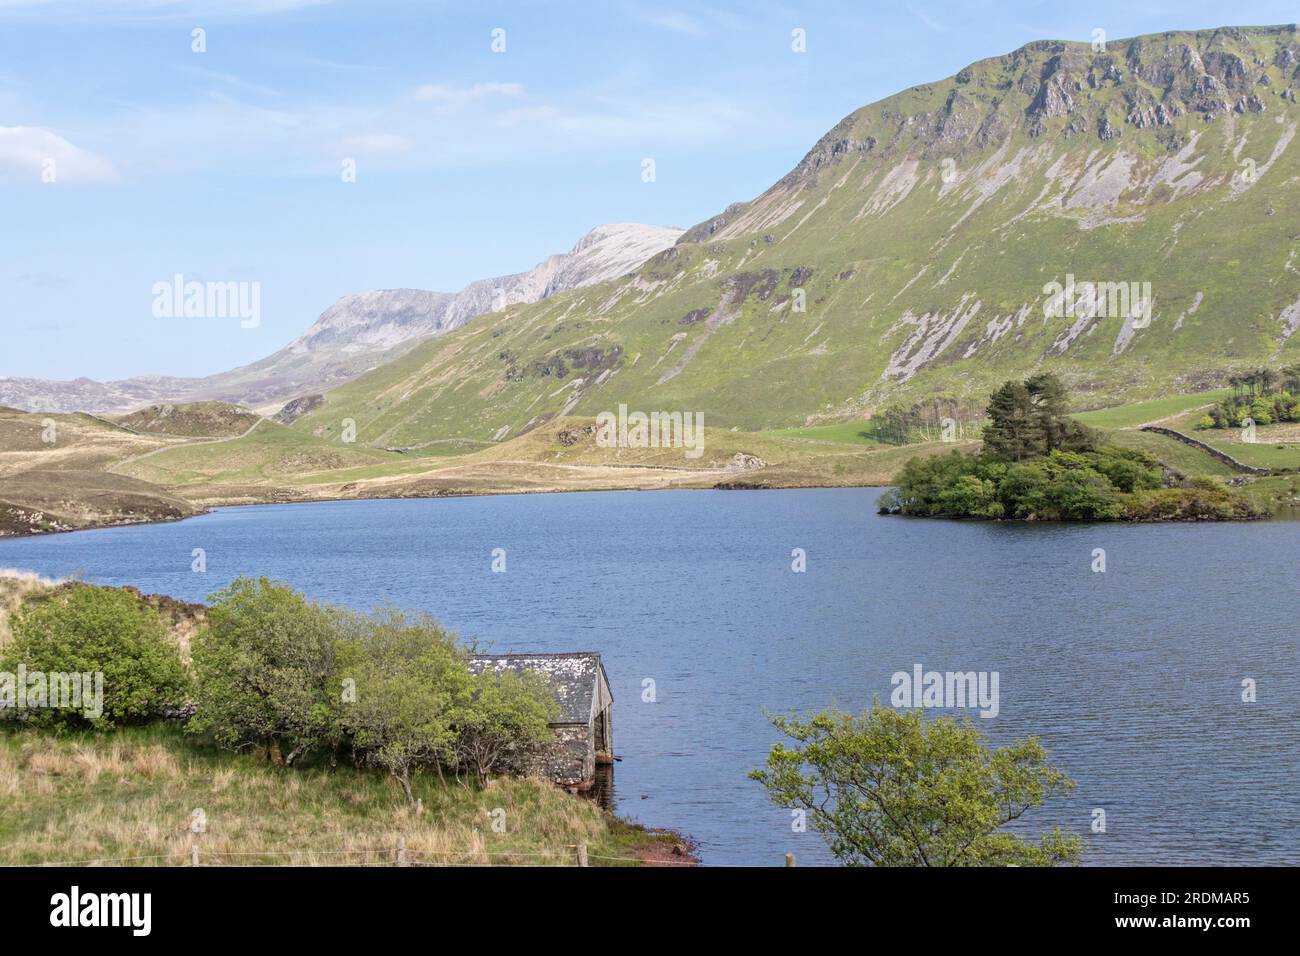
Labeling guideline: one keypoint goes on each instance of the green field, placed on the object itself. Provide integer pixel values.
(1142, 413)
(1181, 457)
(840, 433)
(1264, 452)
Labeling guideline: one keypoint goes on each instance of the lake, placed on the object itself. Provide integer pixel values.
(1132, 678)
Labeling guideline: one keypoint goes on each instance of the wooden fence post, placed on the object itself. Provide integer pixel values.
(582, 854)
(789, 859)
(194, 854)
(401, 852)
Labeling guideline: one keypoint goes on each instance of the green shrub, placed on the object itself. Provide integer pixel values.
(502, 718)
(1064, 486)
(889, 788)
(400, 680)
(263, 669)
(288, 676)
(88, 630)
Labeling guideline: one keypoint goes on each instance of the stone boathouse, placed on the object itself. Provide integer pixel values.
(584, 734)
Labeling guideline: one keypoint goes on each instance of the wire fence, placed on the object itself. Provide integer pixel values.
(576, 854)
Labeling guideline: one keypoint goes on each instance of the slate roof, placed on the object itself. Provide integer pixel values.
(574, 676)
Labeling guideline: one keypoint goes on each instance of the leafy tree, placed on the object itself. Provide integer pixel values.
(890, 789)
(88, 630)
(1026, 490)
(406, 676)
(972, 496)
(1290, 378)
(501, 718)
(264, 667)
(1261, 411)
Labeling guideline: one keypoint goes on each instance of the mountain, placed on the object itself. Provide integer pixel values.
(934, 243)
(358, 332)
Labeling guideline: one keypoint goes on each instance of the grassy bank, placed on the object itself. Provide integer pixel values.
(132, 796)
(129, 792)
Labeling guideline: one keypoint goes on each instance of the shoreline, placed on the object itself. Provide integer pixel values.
(728, 486)
(324, 499)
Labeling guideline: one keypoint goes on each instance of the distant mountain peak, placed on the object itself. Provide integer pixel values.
(359, 331)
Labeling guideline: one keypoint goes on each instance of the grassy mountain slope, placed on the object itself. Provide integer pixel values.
(920, 233)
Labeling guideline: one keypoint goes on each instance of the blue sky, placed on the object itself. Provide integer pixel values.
(226, 165)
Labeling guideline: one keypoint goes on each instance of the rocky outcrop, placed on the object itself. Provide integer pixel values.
(744, 461)
(299, 407)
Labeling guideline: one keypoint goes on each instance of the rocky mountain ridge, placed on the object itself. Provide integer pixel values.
(356, 333)
(922, 248)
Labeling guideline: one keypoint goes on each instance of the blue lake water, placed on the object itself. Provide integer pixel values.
(1132, 678)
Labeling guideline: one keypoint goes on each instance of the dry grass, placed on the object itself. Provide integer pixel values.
(133, 795)
(15, 587)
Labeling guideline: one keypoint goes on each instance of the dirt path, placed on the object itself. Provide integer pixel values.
(1170, 418)
(185, 444)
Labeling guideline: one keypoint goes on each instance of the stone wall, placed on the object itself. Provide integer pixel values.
(1222, 456)
(569, 759)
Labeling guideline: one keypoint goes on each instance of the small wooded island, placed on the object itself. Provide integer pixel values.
(1039, 464)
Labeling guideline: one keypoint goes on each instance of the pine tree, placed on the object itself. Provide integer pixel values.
(1012, 431)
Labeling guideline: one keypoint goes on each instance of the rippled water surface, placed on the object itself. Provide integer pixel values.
(1131, 678)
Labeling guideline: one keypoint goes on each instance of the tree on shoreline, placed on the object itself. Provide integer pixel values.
(888, 788)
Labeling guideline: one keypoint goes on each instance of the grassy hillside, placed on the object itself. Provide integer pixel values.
(194, 420)
(918, 236)
(1174, 454)
(267, 455)
(31, 440)
(54, 477)
(1136, 414)
(908, 256)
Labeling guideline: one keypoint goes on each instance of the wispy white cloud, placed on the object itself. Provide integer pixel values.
(37, 155)
(925, 18)
(677, 23)
(231, 81)
(458, 97)
(435, 126)
(378, 144)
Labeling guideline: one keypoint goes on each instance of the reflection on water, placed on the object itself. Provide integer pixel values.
(602, 791)
(1132, 678)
